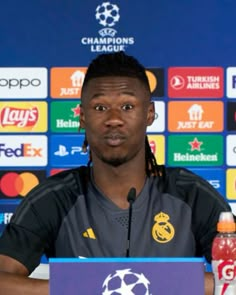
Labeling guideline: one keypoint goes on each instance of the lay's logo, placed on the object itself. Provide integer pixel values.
(23, 117)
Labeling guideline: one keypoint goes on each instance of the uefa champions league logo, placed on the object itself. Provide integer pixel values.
(107, 14)
(126, 282)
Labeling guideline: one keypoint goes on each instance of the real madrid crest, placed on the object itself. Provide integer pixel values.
(162, 231)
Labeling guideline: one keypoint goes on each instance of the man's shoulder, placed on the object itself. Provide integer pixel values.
(69, 182)
(186, 183)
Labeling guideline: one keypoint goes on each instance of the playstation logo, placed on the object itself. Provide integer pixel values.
(61, 151)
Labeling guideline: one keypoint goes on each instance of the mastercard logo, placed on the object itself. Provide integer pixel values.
(152, 80)
(14, 184)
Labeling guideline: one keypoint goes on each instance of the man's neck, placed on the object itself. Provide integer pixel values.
(116, 182)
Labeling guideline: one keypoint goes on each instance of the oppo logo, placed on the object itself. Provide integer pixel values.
(20, 83)
(23, 82)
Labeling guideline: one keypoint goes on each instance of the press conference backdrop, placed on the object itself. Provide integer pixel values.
(188, 49)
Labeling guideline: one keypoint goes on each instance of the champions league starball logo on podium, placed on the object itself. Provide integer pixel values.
(126, 282)
(107, 15)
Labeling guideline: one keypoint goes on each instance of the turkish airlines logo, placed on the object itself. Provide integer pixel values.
(177, 82)
(15, 184)
(23, 83)
(191, 82)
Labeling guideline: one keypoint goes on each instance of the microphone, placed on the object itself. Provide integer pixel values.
(130, 198)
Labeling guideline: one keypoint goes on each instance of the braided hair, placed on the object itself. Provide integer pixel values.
(120, 64)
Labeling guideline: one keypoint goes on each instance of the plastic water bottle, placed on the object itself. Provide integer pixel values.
(224, 256)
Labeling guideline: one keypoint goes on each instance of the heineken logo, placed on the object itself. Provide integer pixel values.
(178, 157)
(189, 150)
(65, 116)
(195, 144)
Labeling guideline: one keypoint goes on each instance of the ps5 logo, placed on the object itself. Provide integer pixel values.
(62, 151)
(215, 183)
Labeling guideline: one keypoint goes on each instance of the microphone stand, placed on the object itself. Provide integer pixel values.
(130, 198)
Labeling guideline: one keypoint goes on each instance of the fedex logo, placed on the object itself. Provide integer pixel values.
(23, 150)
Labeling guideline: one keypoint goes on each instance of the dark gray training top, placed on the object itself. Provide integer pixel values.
(59, 220)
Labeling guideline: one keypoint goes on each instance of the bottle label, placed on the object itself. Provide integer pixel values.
(225, 276)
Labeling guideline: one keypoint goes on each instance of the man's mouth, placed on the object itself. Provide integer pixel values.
(114, 139)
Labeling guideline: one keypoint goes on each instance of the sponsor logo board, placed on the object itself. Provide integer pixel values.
(231, 116)
(65, 116)
(17, 183)
(67, 82)
(231, 82)
(156, 81)
(231, 150)
(66, 151)
(195, 150)
(27, 116)
(157, 144)
(195, 82)
(195, 116)
(23, 83)
(216, 177)
(231, 184)
(24, 150)
(158, 124)
(6, 213)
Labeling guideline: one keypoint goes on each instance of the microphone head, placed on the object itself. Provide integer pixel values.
(131, 195)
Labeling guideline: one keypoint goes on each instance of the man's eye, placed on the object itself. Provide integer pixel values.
(127, 107)
(100, 108)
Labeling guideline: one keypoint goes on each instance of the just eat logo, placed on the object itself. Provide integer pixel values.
(23, 150)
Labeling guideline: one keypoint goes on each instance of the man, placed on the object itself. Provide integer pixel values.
(115, 112)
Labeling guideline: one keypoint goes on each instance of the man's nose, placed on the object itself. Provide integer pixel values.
(114, 117)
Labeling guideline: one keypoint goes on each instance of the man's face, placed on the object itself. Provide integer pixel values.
(115, 113)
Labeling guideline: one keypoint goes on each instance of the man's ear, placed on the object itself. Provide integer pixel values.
(151, 113)
(82, 117)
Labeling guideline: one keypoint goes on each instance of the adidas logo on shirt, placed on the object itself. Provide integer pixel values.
(89, 234)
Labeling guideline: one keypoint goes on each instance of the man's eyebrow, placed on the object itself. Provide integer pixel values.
(122, 92)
